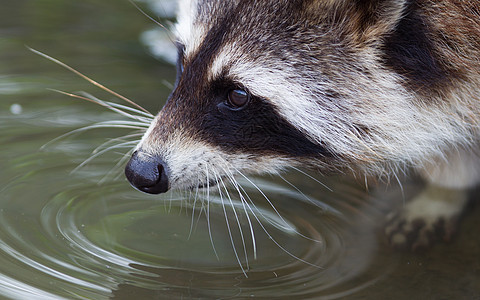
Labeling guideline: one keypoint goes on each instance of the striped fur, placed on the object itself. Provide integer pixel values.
(377, 85)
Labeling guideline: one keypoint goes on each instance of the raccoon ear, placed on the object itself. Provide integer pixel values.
(374, 18)
(363, 20)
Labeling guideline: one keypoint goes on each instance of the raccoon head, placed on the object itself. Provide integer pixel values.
(265, 85)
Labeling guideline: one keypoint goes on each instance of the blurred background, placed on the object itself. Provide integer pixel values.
(73, 228)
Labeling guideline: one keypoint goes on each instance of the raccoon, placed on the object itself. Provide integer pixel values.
(372, 87)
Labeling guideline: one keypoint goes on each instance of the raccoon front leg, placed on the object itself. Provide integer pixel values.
(434, 213)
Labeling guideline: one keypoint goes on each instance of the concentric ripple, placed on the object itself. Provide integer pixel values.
(77, 238)
(81, 235)
(168, 245)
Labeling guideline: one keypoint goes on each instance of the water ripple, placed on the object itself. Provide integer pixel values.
(65, 236)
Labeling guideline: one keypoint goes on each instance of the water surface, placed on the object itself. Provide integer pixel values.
(84, 233)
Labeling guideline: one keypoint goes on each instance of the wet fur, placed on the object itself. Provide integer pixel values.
(372, 87)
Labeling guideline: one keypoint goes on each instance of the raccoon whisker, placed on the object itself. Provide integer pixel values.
(202, 210)
(401, 187)
(114, 124)
(115, 107)
(125, 123)
(190, 192)
(193, 210)
(245, 205)
(88, 79)
(118, 108)
(115, 172)
(170, 202)
(236, 184)
(115, 140)
(365, 177)
(143, 115)
(228, 224)
(278, 214)
(74, 96)
(107, 124)
(237, 219)
(148, 16)
(128, 144)
(151, 19)
(120, 162)
(203, 204)
(196, 191)
(266, 198)
(208, 212)
(188, 200)
(193, 215)
(271, 237)
(123, 158)
(184, 201)
(299, 191)
(313, 178)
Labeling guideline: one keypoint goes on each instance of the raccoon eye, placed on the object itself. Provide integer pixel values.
(238, 98)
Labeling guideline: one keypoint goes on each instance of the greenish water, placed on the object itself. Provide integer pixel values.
(84, 233)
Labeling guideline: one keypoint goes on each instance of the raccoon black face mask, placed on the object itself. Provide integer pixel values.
(371, 86)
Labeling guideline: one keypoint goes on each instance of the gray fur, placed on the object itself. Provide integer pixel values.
(340, 72)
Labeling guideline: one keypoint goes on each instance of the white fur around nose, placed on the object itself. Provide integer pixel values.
(193, 163)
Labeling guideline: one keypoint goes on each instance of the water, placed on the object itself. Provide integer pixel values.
(76, 233)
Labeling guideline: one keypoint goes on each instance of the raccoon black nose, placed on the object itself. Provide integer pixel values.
(147, 173)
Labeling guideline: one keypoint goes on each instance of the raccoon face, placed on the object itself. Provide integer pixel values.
(262, 86)
(215, 124)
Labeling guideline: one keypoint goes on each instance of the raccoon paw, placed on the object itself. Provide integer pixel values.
(403, 232)
(431, 216)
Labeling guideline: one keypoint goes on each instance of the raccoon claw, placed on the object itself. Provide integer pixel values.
(431, 216)
(418, 234)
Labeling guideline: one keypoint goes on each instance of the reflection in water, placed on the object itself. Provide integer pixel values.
(79, 238)
(87, 234)
(266, 230)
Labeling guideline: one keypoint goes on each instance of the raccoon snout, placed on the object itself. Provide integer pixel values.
(147, 173)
